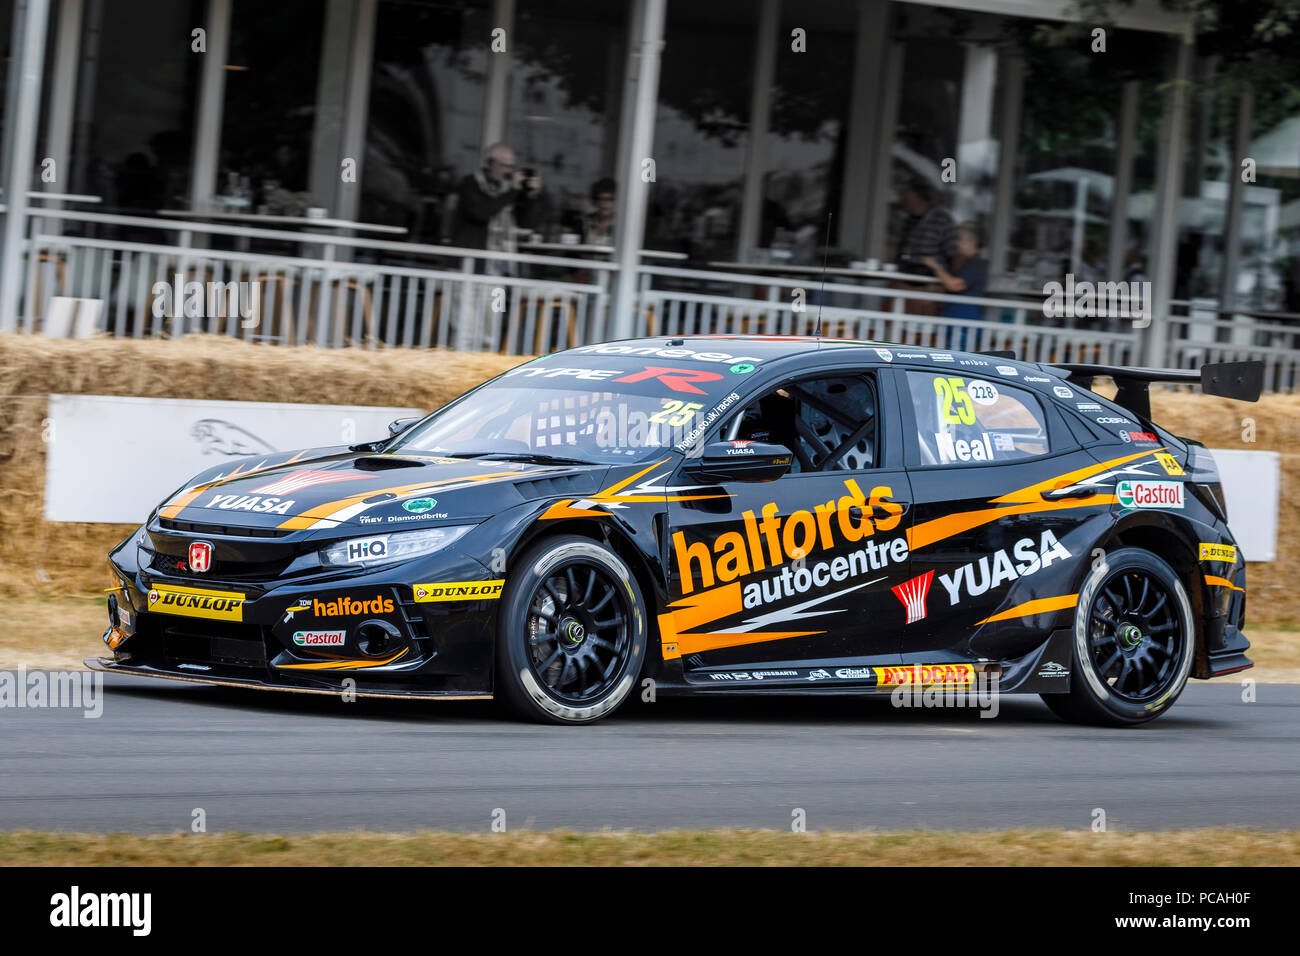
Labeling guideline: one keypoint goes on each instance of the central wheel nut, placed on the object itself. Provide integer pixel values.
(574, 632)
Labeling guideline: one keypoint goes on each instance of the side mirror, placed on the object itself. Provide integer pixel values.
(400, 425)
(741, 461)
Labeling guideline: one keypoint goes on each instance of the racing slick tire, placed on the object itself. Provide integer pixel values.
(571, 636)
(1134, 641)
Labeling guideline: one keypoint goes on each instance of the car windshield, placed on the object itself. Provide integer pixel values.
(555, 412)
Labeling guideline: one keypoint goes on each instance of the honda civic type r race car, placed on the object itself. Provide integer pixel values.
(720, 515)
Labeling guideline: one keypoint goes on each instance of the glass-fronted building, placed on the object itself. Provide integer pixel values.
(779, 132)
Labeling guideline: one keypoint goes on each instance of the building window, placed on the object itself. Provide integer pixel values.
(566, 87)
(425, 123)
(269, 114)
(1269, 275)
(137, 98)
(702, 129)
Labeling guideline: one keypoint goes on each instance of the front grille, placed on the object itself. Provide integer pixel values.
(243, 555)
(193, 527)
(176, 567)
(214, 642)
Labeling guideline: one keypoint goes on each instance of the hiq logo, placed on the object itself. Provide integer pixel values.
(364, 549)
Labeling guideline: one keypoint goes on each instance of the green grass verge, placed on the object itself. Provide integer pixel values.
(1028, 847)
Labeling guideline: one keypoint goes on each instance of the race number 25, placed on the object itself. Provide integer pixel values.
(954, 403)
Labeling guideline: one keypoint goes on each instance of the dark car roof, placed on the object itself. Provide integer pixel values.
(771, 347)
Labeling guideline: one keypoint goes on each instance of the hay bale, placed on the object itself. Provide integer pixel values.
(49, 558)
(62, 558)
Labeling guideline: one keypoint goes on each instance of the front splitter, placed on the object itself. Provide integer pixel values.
(111, 667)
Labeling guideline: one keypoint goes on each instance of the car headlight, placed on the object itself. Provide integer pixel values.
(143, 547)
(383, 548)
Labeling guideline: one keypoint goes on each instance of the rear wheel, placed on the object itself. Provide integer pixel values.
(572, 632)
(1134, 639)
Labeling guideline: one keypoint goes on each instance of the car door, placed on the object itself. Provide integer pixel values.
(780, 579)
(999, 554)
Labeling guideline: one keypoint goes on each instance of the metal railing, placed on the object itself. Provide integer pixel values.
(339, 290)
(864, 312)
(1201, 333)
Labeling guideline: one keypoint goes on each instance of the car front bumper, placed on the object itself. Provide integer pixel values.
(425, 628)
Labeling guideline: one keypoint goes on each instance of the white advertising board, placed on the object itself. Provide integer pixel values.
(1252, 485)
(112, 459)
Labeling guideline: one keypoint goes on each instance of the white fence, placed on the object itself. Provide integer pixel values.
(337, 290)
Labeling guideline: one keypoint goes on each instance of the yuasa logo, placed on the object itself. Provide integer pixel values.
(1150, 494)
(319, 638)
(980, 576)
(367, 549)
(274, 506)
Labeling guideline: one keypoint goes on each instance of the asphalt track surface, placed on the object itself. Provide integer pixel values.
(255, 761)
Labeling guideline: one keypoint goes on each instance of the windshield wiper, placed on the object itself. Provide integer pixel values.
(535, 457)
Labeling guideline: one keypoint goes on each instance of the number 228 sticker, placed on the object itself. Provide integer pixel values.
(982, 393)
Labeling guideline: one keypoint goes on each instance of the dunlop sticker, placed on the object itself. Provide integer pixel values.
(196, 602)
(1218, 552)
(459, 591)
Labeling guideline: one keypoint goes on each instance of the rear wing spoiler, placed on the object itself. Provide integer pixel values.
(1243, 381)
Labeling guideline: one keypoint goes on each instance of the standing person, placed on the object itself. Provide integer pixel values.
(967, 274)
(598, 228)
(491, 202)
(928, 233)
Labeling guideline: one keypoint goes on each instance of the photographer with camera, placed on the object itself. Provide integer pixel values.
(493, 201)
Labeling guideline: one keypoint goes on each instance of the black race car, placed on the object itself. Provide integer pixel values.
(717, 515)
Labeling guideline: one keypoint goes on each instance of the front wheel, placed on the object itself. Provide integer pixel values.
(1134, 639)
(571, 634)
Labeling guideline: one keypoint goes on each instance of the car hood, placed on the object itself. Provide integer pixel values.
(313, 490)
